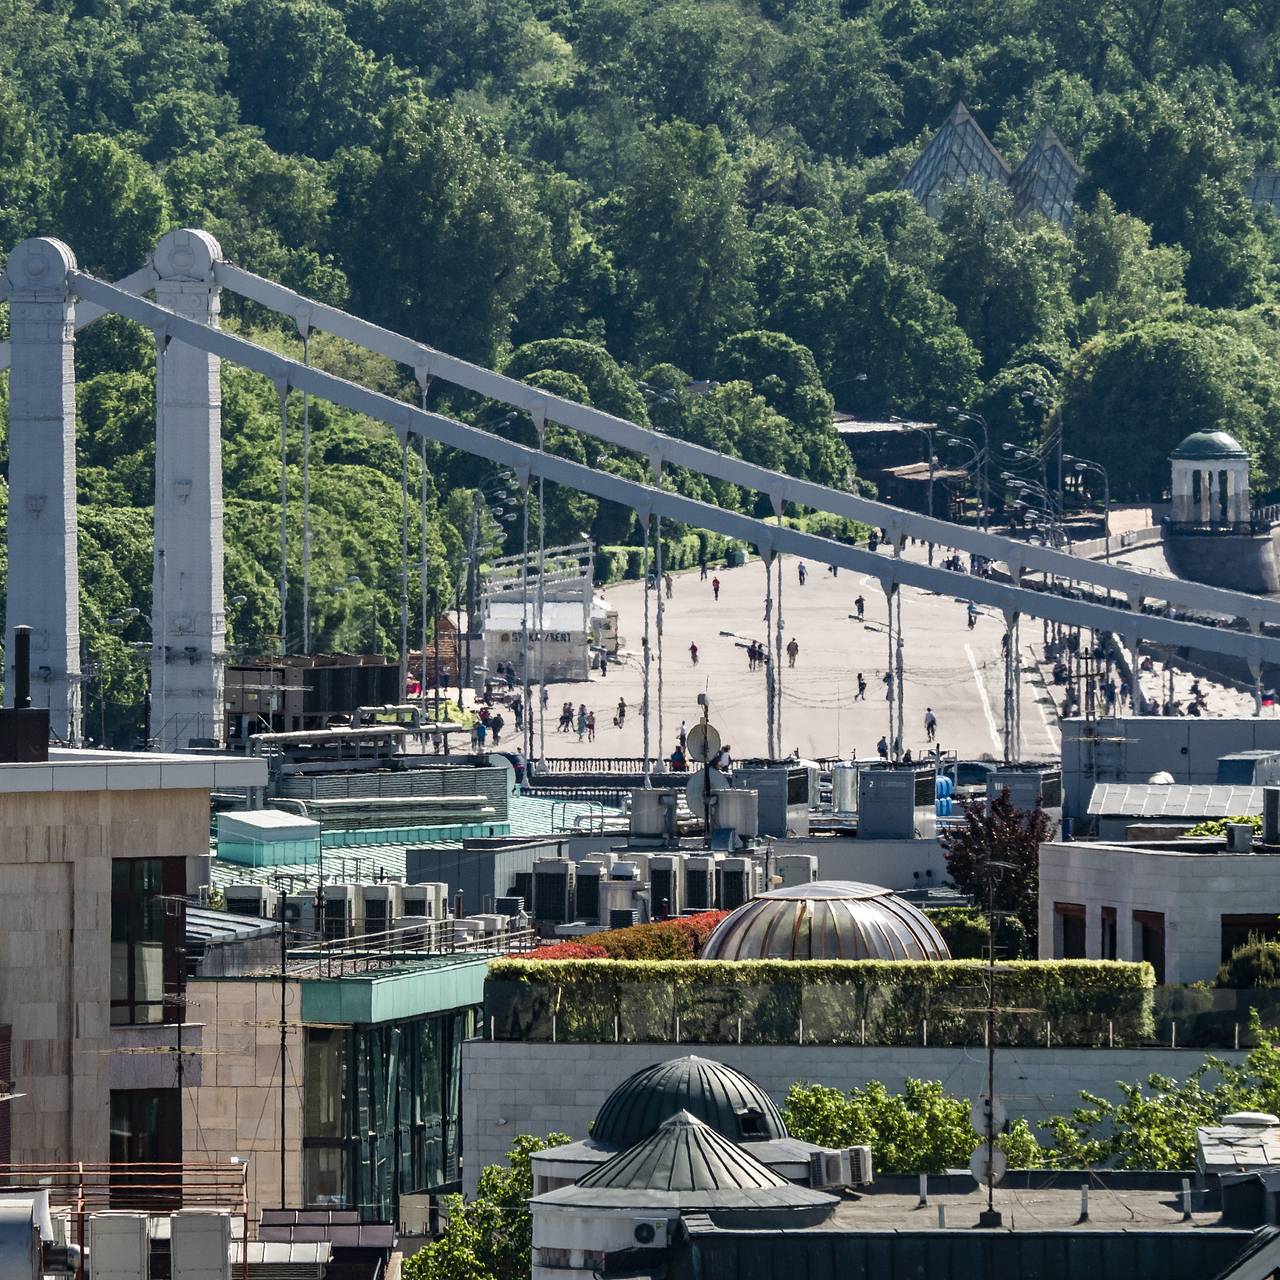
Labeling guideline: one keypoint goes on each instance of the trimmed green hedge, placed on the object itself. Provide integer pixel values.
(616, 563)
(1067, 1002)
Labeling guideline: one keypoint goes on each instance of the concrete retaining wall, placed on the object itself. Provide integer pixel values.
(511, 1087)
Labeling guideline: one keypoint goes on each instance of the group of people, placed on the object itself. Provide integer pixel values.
(487, 728)
(583, 720)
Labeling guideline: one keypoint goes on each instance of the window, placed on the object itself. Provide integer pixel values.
(1068, 930)
(148, 940)
(146, 1128)
(1108, 933)
(1237, 930)
(1148, 940)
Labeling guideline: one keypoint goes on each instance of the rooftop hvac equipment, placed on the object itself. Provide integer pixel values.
(430, 899)
(1027, 787)
(1239, 837)
(700, 882)
(508, 904)
(554, 882)
(848, 1168)
(119, 1246)
(343, 915)
(738, 811)
(606, 858)
(522, 885)
(666, 885)
(382, 904)
(651, 1233)
(21, 1250)
(620, 895)
(641, 863)
(653, 813)
(620, 918)
(200, 1245)
(1249, 768)
(797, 868)
(896, 802)
(416, 933)
(300, 915)
(1271, 815)
(624, 871)
(784, 796)
(844, 789)
(738, 882)
(252, 900)
(590, 877)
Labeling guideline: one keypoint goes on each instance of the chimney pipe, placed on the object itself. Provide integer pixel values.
(22, 668)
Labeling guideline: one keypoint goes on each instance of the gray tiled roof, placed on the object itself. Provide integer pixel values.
(1175, 800)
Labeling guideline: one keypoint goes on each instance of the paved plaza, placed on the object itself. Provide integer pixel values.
(957, 672)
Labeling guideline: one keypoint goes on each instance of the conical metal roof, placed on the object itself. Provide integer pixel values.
(714, 1093)
(826, 920)
(683, 1155)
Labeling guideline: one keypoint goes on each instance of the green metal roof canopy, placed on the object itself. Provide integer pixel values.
(1209, 446)
(729, 1102)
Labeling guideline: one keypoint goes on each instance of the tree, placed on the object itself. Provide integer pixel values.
(1007, 280)
(1164, 380)
(110, 208)
(489, 1237)
(998, 832)
(682, 243)
(1176, 162)
(1120, 278)
(436, 229)
(24, 186)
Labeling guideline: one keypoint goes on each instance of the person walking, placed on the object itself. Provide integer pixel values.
(482, 731)
(883, 747)
(591, 726)
(517, 710)
(604, 664)
(861, 695)
(793, 651)
(546, 697)
(682, 737)
(801, 572)
(930, 725)
(621, 717)
(693, 652)
(702, 567)
(860, 605)
(888, 686)
(582, 721)
(668, 585)
(495, 724)
(715, 587)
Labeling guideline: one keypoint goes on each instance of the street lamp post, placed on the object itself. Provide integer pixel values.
(1080, 466)
(974, 417)
(927, 432)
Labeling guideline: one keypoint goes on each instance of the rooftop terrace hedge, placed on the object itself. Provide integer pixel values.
(1060, 1002)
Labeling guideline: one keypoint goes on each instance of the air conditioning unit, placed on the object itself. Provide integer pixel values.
(651, 1233)
(620, 896)
(553, 890)
(300, 915)
(343, 912)
(666, 884)
(797, 868)
(700, 882)
(590, 877)
(737, 882)
(508, 905)
(382, 904)
(848, 1168)
(638, 860)
(606, 859)
(415, 933)
(620, 918)
(430, 899)
(200, 1245)
(119, 1245)
(252, 900)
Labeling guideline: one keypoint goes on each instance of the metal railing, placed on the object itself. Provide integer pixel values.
(407, 944)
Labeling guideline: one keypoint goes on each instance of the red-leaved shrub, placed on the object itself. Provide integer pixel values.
(679, 939)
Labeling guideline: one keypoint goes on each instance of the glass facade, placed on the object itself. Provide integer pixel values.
(381, 1110)
(148, 940)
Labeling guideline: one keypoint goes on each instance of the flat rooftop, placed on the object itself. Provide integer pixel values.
(1046, 1208)
(70, 769)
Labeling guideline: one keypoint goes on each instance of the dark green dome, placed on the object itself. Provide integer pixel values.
(1209, 446)
(731, 1103)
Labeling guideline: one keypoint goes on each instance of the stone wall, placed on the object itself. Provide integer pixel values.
(510, 1087)
(55, 969)
(1235, 562)
(236, 1109)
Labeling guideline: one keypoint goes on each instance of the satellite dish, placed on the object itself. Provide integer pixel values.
(988, 1172)
(702, 743)
(978, 1114)
(704, 780)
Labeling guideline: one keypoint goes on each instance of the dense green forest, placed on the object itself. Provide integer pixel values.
(615, 197)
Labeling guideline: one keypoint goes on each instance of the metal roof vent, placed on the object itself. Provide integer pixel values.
(1251, 1120)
